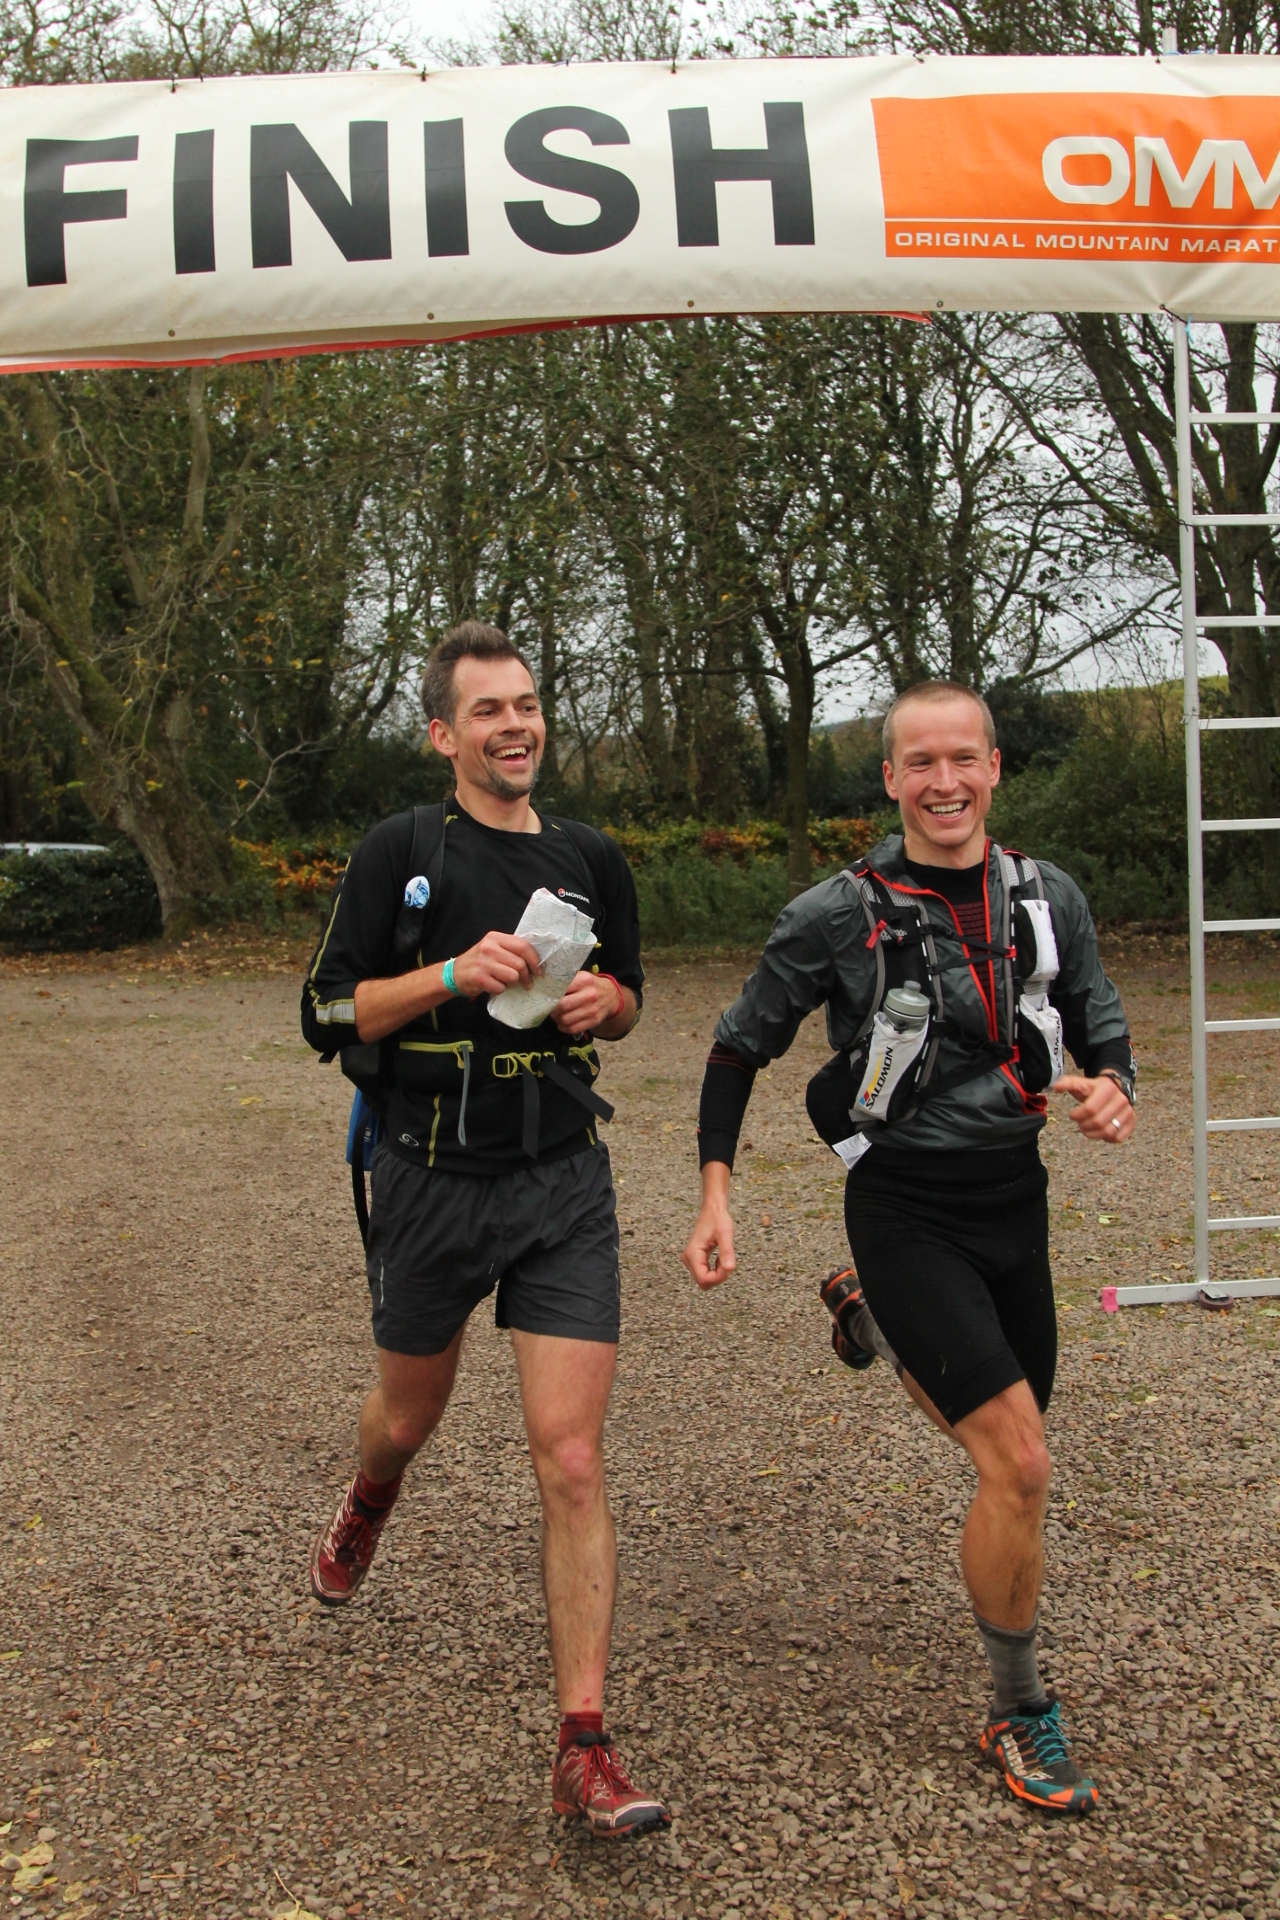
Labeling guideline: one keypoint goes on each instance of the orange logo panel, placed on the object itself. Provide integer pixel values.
(1049, 174)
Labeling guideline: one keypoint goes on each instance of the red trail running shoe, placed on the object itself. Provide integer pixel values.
(589, 1779)
(343, 1551)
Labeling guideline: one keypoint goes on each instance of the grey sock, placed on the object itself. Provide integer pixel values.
(863, 1327)
(1015, 1672)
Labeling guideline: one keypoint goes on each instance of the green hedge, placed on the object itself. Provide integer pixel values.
(66, 901)
(831, 842)
(1113, 815)
(691, 901)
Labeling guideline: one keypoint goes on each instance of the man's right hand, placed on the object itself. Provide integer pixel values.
(709, 1255)
(499, 961)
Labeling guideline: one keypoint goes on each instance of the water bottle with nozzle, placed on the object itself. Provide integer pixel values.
(898, 1034)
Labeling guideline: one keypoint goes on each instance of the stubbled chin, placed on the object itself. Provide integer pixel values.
(510, 786)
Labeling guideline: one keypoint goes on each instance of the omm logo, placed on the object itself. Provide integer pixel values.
(1081, 173)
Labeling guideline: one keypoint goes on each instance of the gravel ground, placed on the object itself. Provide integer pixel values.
(183, 1732)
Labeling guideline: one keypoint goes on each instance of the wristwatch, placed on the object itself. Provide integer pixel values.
(1123, 1080)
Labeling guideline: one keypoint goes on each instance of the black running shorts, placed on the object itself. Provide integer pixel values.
(546, 1238)
(952, 1250)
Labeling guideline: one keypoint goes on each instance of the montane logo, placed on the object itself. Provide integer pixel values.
(567, 893)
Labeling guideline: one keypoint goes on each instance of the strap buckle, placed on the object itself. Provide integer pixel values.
(507, 1065)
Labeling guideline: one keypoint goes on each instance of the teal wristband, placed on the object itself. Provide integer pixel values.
(450, 984)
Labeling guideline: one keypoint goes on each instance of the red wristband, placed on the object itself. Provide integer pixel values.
(622, 1005)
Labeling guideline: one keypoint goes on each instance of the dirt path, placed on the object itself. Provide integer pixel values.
(186, 1342)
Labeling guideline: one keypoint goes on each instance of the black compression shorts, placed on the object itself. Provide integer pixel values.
(545, 1238)
(952, 1251)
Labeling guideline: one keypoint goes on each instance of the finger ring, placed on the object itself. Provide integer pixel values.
(1116, 1124)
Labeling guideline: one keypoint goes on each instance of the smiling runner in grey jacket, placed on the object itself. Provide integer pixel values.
(945, 1203)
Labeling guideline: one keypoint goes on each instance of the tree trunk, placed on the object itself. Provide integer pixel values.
(548, 696)
(665, 784)
(132, 745)
(772, 724)
(797, 665)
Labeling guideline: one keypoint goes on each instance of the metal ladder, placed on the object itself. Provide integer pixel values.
(1193, 624)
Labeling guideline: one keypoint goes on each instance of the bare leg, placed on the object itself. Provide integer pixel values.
(565, 1386)
(925, 1404)
(405, 1408)
(1002, 1552)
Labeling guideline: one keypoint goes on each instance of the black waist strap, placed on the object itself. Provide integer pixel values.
(559, 1075)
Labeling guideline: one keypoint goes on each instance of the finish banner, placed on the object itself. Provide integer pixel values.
(177, 222)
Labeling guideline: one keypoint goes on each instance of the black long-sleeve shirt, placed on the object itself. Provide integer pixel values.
(487, 878)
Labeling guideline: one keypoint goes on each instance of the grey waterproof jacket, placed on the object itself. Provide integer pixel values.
(818, 954)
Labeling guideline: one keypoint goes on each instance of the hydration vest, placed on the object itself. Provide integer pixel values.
(371, 1065)
(902, 939)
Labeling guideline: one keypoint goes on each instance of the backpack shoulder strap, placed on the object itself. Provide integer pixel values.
(589, 844)
(863, 886)
(426, 854)
(426, 861)
(1011, 878)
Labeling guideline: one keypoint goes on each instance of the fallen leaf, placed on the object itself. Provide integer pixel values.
(14, 1653)
(1146, 1573)
(295, 1913)
(73, 1891)
(27, 1879)
(906, 1889)
(34, 1523)
(253, 1100)
(41, 1856)
(39, 1746)
(6, 1828)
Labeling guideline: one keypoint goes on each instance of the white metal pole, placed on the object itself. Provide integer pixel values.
(1195, 844)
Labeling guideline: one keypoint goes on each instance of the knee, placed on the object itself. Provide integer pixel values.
(571, 1470)
(409, 1431)
(1021, 1471)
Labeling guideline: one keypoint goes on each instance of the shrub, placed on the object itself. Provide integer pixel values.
(270, 875)
(696, 885)
(830, 841)
(1112, 814)
(688, 900)
(73, 900)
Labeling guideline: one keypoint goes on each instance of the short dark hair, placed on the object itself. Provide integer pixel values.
(472, 640)
(937, 690)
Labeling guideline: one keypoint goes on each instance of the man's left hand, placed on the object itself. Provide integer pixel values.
(590, 1003)
(1103, 1112)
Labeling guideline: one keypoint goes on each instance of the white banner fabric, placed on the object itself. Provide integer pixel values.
(170, 223)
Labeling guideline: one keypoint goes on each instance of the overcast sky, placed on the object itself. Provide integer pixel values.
(446, 19)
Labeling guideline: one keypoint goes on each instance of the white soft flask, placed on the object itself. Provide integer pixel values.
(1033, 1005)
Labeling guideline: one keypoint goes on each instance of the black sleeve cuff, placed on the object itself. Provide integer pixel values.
(1116, 1055)
(726, 1089)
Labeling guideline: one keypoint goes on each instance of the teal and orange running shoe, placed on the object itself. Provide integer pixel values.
(1030, 1748)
